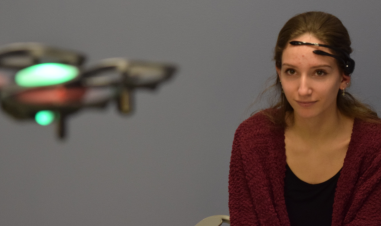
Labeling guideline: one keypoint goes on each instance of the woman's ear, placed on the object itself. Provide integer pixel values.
(345, 81)
(277, 71)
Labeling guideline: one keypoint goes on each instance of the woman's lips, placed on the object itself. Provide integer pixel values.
(306, 104)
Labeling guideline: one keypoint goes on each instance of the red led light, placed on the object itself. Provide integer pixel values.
(52, 96)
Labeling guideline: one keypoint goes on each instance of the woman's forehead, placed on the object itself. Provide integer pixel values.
(294, 54)
(297, 55)
(308, 37)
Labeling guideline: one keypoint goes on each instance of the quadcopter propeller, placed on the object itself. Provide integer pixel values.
(21, 55)
(127, 75)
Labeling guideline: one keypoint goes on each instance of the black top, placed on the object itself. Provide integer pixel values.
(309, 204)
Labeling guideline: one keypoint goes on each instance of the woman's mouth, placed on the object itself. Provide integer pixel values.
(306, 104)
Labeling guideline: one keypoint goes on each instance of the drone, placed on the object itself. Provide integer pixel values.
(49, 84)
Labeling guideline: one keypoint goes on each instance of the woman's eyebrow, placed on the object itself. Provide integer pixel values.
(322, 65)
(289, 65)
(316, 66)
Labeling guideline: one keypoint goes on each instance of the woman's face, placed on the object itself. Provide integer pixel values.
(308, 77)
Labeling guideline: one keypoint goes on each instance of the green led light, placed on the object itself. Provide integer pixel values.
(45, 74)
(44, 118)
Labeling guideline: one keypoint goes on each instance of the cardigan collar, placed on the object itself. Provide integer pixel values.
(345, 184)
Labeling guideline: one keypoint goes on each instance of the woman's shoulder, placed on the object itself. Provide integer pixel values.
(256, 125)
(367, 136)
(368, 131)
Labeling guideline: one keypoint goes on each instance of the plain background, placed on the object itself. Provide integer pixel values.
(167, 164)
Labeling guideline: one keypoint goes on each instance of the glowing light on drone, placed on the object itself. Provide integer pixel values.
(46, 74)
(44, 118)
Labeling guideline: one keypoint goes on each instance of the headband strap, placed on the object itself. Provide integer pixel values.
(348, 63)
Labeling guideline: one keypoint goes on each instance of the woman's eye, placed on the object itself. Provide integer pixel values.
(290, 71)
(320, 73)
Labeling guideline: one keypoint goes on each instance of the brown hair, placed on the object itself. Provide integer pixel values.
(330, 31)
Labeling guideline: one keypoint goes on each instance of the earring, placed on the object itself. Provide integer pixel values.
(344, 91)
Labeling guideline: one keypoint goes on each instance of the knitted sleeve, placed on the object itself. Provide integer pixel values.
(240, 201)
(366, 206)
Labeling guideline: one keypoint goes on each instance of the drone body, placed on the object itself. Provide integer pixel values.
(49, 84)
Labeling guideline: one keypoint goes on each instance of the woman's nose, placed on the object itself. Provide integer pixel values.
(304, 86)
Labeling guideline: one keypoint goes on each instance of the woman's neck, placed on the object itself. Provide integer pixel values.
(323, 128)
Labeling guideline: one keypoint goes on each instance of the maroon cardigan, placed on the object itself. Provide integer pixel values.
(258, 169)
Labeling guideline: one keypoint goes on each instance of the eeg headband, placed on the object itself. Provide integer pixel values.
(348, 64)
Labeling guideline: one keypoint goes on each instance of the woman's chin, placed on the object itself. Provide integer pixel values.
(306, 114)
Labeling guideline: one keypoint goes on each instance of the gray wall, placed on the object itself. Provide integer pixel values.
(167, 164)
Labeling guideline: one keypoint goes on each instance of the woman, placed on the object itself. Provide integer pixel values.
(314, 157)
